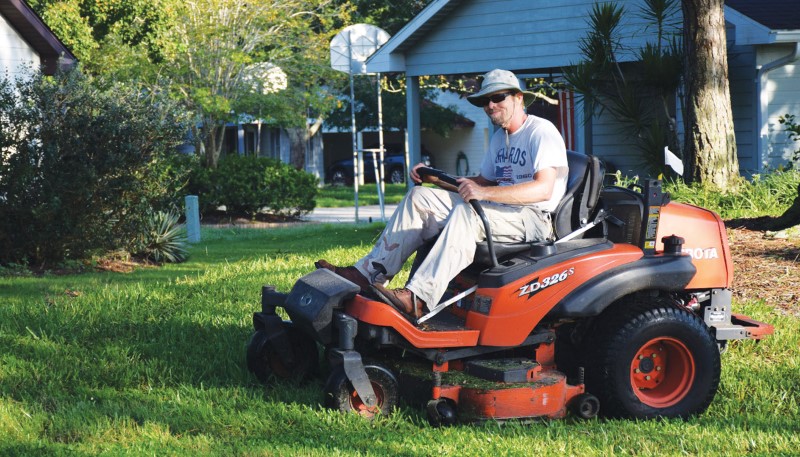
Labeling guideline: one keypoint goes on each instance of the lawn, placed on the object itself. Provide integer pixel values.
(152, 363)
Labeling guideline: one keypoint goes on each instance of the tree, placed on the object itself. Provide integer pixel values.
(217, 56)
(109, 35)
(638, 95)
(390, 16)
(710, 140)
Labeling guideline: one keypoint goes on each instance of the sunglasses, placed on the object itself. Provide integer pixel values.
(496, 98)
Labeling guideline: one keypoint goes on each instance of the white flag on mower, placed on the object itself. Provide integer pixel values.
(673, 161)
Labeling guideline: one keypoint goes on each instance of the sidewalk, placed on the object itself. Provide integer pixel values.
(366, 214)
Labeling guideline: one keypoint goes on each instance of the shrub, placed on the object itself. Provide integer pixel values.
(764, 195)
(164, 239)
(793, 132)
(82, 163)
(249, 185)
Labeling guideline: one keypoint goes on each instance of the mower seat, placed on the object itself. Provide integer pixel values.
(584, 183)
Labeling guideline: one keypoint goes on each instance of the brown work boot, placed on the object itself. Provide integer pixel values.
(349, 273)
(403, 299)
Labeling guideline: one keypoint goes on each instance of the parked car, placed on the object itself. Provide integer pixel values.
(340, 173)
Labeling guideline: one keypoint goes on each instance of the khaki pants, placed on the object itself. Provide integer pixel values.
(425, 212)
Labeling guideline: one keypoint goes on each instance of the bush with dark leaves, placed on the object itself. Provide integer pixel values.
(249, 185)
(82, 165)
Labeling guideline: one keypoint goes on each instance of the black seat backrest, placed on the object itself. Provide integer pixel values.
(584, 183)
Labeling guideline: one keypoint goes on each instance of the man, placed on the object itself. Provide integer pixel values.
(523, 177)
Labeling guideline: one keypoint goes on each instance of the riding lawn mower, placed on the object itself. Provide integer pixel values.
(624, 313)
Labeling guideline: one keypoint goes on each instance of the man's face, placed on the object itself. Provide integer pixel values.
(500, 107)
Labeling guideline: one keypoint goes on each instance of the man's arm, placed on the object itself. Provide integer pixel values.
(538, 190)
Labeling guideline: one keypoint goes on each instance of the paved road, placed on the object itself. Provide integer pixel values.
(367, 213)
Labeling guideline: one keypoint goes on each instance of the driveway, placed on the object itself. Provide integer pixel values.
(366, 213)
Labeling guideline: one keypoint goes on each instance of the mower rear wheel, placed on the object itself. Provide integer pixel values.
(653, 360)
(264, 361)
(342, 396)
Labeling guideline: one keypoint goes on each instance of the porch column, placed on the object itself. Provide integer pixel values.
(413, 123)
(240, 139)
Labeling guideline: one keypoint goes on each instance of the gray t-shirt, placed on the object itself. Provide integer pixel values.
(515, 158)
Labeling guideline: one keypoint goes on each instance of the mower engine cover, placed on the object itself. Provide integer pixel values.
(311, 302)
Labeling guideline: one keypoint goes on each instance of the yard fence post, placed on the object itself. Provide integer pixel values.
(192, 219)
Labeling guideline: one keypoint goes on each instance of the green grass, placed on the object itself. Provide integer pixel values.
(344, 196)
(152, 363)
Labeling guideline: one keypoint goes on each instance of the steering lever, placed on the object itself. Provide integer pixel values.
(437, 177)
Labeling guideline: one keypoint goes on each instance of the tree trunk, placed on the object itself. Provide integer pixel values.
(710, 140)
(298, 138)
(298, 142)
(213, 140)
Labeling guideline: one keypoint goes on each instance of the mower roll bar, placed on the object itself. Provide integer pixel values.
(448, 179)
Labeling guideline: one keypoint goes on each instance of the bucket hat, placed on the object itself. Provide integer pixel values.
(497, 80)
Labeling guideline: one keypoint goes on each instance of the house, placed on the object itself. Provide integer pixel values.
(26, 41)
(535, 38)
(252, 136)
(764, 72)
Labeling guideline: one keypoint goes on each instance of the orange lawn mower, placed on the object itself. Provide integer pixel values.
(624, 314)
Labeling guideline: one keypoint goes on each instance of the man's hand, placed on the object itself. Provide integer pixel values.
(414, 175)
(470, 190)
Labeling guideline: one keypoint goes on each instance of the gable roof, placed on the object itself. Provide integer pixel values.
(390, 56)
(474, 36)
(34, 31)
(774, 14)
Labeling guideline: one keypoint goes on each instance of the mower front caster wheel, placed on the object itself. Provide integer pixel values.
(265, 362)
(340, 394)
(585, 406)
(441, 413)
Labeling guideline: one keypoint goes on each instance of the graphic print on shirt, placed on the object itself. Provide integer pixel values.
(505, 164)
(504, 174)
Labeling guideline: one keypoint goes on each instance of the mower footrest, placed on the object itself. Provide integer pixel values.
(754, 329)
(742, 327)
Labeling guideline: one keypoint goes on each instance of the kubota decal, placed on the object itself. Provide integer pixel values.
(535, 286)
(701, 253)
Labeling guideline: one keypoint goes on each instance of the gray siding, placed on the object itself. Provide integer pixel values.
(512, 34)
(614, 147)
(783, 88)
(741, 76)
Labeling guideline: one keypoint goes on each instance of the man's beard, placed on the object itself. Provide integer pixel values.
(503, 120)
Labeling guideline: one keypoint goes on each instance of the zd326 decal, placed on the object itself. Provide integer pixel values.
(536, 285)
